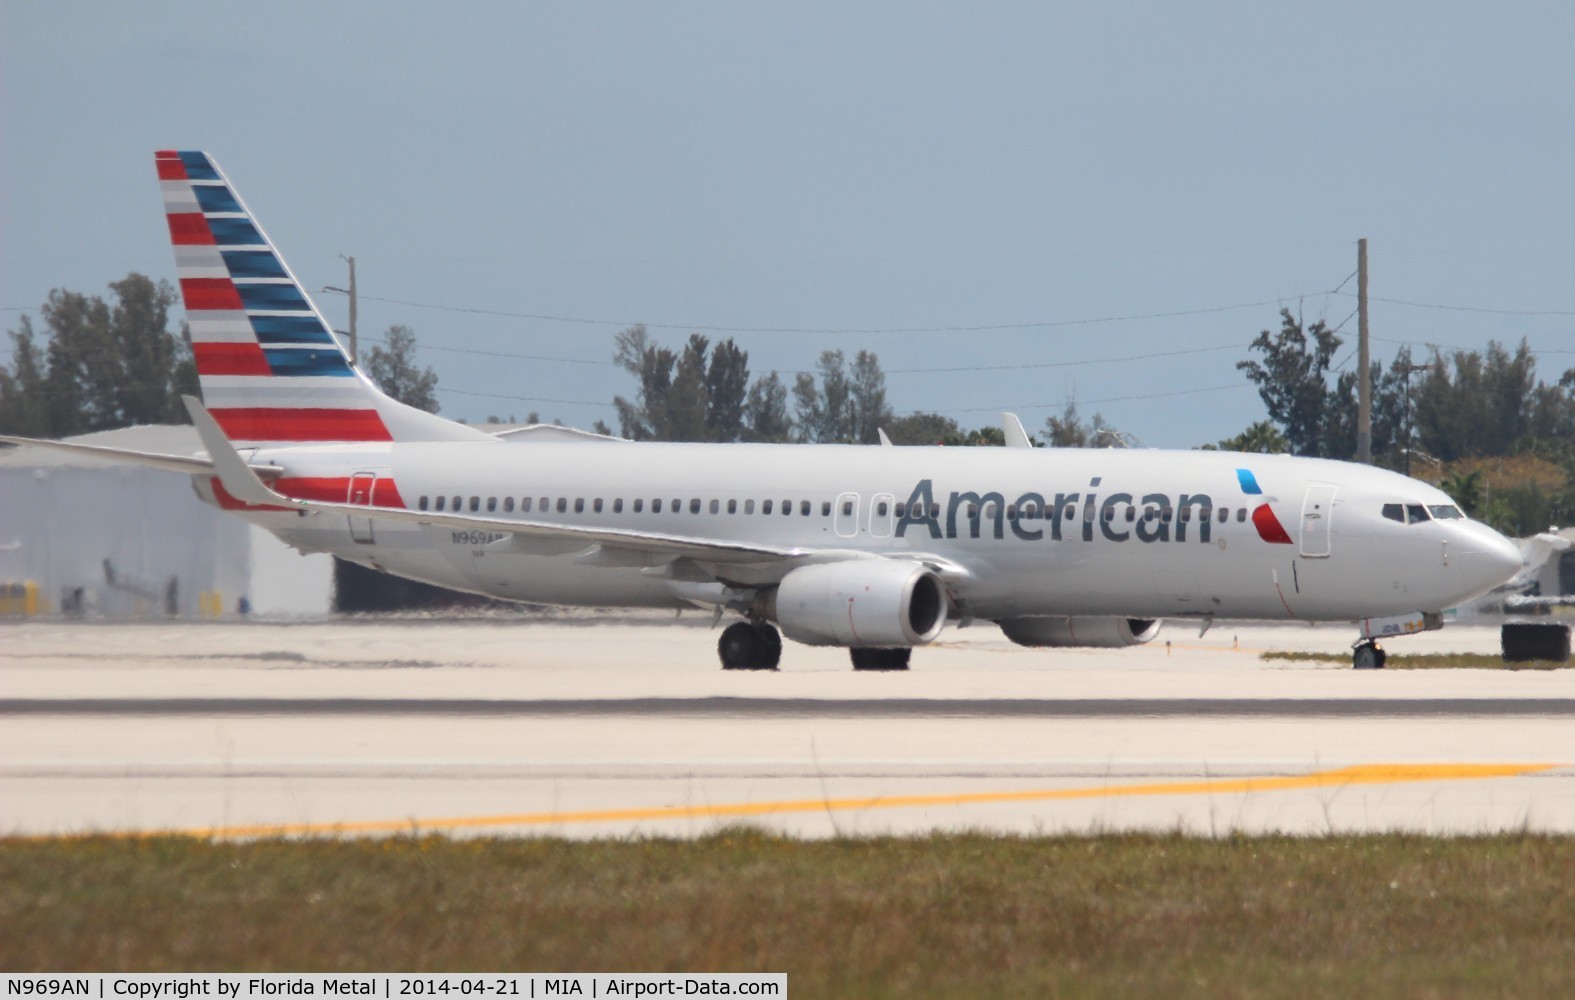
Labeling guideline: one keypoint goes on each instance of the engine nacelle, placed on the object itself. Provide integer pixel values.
(870, 603)
(1098, 632)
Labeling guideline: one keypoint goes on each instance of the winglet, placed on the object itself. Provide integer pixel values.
(884, 440)
(1012, 429)
(237, 477)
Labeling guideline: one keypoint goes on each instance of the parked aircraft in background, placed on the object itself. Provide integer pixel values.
(871, 548)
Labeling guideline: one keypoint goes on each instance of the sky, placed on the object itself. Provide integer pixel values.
(1014, 205)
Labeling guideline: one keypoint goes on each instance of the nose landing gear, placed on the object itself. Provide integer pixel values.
(1368, 655)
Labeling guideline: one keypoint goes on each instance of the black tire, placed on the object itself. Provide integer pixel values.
(747, 646)
(880, 659)
(1368, 656)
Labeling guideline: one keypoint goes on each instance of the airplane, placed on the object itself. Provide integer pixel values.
(871, 548)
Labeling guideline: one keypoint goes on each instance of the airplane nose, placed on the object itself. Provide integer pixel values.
(1493, 559)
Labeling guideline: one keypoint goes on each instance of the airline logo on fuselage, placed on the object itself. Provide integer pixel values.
(1116, 517)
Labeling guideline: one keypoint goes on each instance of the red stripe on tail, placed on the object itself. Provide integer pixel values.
(230, 359)
(280, 424)
(189, 229)
(209, 293)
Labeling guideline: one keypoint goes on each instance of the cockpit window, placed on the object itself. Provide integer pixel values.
(1395, 512)
(1445, 511)
(1415, 513)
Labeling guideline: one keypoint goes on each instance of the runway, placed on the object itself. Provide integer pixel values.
(591, 726)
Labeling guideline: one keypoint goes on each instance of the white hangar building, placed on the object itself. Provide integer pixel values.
(80, 535)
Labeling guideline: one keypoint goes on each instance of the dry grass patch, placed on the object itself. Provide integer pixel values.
(957, 915)
(1424, 661)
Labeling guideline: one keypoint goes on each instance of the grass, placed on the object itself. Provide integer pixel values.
(1424, 661)
(942, 916)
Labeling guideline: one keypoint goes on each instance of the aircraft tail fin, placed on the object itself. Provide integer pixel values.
(269, 367)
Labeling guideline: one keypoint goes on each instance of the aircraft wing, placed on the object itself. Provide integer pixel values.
(170, 463)
(189, 464)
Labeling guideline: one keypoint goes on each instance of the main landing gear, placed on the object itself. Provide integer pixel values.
(1368, 655)
(753, 645)
(750, 646)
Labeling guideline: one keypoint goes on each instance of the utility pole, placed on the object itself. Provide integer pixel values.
(351, 261)
(1364, 383)
(351, 293)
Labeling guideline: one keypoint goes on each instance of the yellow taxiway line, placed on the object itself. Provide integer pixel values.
(1365, 774)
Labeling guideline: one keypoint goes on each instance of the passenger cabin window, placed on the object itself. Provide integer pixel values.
(656, 506)
(618, 505)
(492, 505)
(639, 505)
(596, 505)
(732, 506)
(579, 505)
(694, 506)
(803, 507)
(440, 503)
(563, 505)
(421, 504)
(524, 505)
(1241, 515)
(716, 506)
(765, 506)
(787, 507)
(1224, 514)
(825, 509)
(880, 509)
(508, 505)
(678, 506)
(847, 508)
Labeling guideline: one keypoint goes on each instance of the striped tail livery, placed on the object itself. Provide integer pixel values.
(270, 370)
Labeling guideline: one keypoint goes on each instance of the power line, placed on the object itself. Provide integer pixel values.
(1472, 309)
(1097, 402)
(1065, 364)
(703, 328)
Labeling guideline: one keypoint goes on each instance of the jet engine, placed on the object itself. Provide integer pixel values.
(868, 603)
(1100, 632)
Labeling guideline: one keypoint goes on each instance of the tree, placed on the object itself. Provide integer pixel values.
(1069, 431)
(392, 366)
(765, 411)
(922, 428)
(839, 407)
(699, 394)
(1291, 380)
(1261, 438)
(1475, 403)
(103, 365)
(23, 408)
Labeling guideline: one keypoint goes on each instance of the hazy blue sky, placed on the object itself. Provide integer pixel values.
(1000, 171)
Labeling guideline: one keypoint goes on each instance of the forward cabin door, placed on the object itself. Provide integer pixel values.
(362, 485)
(1317, 513)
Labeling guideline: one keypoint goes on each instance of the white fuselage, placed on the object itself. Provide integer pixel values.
(1029, 532)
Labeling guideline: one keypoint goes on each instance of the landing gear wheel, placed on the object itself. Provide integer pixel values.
(880, 659)
(750, 646)
(1368, 656)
